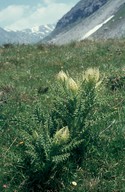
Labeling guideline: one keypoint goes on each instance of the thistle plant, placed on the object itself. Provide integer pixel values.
(62, 76)
(52, 144)
(42, 159)
(92, 74)
(74, 108)
(72, 85)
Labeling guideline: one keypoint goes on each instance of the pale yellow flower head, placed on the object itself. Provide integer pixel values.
(62, 135)
(92, 74)
(72, 85)
(62, 76)
(74, 183)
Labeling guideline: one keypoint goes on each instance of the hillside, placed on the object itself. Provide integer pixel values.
(115, 28)
(82, 10)
(89, 19)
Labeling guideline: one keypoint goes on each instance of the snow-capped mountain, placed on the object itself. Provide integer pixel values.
(92, 19)
(27, 36)
(42, 29)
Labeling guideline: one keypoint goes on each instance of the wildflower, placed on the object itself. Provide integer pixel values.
(92, 74)
(4, 186)
(1, 93)
(72, 85)
(123, 69)
(62, 135)
(62, 76)
(74, 183)
(20, 143)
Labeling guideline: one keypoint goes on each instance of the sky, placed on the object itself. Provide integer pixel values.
(22, 14)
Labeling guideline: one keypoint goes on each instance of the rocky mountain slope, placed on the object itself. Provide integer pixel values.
(91, 19)
(26, 36)
(82, 10)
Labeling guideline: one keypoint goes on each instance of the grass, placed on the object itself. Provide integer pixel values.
(28, 91)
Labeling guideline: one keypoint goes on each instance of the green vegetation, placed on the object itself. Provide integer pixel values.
(62, 117)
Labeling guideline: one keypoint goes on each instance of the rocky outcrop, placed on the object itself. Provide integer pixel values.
(82, 10)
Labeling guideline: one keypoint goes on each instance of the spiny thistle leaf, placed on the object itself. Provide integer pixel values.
(72, 145)
(60, 158)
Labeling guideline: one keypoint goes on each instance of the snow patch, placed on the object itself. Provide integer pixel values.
(47, 31)
(46, 26)
(9, 30)
(35, 29)
(42, 33)
(96, 28)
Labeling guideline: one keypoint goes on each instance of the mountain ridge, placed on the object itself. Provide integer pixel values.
(78, 29)
(26, 36)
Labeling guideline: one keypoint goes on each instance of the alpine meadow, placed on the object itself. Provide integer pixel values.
(62, 117)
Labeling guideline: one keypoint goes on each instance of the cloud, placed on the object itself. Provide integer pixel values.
(12, 13)
(50, 1)
(21, 16)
